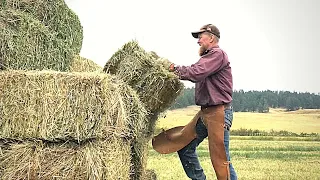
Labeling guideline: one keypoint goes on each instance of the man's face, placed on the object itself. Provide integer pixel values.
(204, 41)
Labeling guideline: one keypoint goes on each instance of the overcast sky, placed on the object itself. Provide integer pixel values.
(271, 44)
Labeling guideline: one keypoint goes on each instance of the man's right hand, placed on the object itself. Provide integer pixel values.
(167, 65)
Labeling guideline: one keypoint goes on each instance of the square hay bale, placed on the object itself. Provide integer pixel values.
(55, 15)
(54, 105)
(101, 159)
(81, 64)
(143, 71)
(27, 44)
(139, 158)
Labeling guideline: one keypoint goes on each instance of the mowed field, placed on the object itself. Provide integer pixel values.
(301, 121)
(253, 158)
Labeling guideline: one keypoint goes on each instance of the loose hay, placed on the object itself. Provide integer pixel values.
(55, 15)
(27, 44)
(104, 159)
(81, 64)
(63, 106)
(157, 87)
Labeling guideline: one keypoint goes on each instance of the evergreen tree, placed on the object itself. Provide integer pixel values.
(259, 101)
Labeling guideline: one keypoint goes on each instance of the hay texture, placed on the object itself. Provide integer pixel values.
(27, 44)
(104, 159)
(139, 158)
(150, 175)
(143, 71)
(81, 64)
(55, 15)
(59, 106)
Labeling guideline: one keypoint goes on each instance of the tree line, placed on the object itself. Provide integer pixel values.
(259, 101)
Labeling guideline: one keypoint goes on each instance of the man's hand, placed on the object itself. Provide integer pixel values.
(167, 65)
(172, 67)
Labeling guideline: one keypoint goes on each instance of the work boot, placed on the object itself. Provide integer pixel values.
(214, 120)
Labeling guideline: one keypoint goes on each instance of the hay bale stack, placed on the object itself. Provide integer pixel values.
(59, 106)
(102, 159)
(143, 71)
(156, 87)
(55, 15)
(139, 157)
(26, 43)
(81, 64)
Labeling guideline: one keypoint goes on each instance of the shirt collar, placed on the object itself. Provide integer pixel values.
(208, 50)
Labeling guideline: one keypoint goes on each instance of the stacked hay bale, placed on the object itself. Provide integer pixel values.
(38, 34)
(157, 88)
(81, 64)
(68, 125)
(143, 71)
(54, 105)
(26, 43)
(54, 124)
(60, 117)
(101, 159)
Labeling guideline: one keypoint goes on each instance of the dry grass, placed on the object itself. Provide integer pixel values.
(139, 153)
(105, 159)
(55, 15)
(306, 121)
(81, 64)
(292, 122)
(157, 88)
(305, 111)
(55, 105)
(26, 43)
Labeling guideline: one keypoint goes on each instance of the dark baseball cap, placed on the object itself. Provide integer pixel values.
(207, 28)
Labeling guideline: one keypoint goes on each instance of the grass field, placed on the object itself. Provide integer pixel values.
(301, 121)
(254, 158)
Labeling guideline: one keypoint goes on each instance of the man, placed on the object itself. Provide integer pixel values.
(213, 92)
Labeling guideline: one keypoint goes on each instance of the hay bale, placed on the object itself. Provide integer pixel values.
(103, 159)
(143, 71)
(139, 157)
(81, 64)
(55, 15)
(54, 106)
(150, 175)
(25, 43)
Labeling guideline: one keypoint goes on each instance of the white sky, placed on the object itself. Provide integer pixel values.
(271, 44)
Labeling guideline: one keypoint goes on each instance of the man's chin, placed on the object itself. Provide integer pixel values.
(202, 50)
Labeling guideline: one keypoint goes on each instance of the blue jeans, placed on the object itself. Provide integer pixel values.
(189, 157)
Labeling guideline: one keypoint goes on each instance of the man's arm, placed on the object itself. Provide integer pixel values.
(206, 66)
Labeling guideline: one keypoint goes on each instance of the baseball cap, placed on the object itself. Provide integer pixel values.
(207, 28)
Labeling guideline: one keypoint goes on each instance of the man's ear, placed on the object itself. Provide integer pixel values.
(213, 39)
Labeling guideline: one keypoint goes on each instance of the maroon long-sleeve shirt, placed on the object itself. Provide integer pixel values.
(212, 77)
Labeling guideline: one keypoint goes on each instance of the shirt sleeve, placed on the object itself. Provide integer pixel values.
(207, 65)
